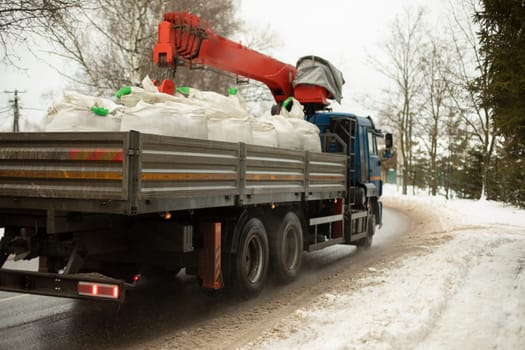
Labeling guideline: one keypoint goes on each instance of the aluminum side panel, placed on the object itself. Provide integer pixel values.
(173, 168)
(64, 165)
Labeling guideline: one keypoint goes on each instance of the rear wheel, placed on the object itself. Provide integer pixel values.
(250, 263)
(286, 248)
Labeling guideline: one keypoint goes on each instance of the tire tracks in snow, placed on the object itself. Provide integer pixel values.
(407, 302)
(240, 323)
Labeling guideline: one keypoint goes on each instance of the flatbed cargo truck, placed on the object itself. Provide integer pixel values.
(99, 208)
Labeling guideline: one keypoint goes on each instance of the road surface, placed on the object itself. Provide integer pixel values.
(175, 314)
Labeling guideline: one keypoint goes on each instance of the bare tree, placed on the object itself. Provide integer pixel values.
(403, 69)
(108, 41)
(437, 107)
(112, 40)
(257, 95)
(19, 19)
(470, 92)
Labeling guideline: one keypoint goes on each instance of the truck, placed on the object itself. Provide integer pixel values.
(98, 209)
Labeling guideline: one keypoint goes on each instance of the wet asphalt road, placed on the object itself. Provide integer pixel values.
(151, 311)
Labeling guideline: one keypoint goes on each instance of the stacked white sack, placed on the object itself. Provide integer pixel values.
(149, 111)
(199, 114)
(228, 119)
(148, 94)
(287, 135)
(308, 133)
(304, 135)
(166, 118)
(264, 132)
(75, 113)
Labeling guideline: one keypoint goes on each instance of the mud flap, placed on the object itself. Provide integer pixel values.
(210, 256)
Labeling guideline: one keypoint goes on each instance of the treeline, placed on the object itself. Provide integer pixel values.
(457, 100)
(107, 44)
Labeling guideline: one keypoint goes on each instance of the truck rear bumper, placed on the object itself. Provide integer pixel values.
(77, 286)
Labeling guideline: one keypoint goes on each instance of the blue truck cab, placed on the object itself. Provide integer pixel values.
(356, 137)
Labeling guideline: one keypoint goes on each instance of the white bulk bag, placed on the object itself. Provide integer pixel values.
(287, 136)
(217, 105)
(309, 134)
(264, 133)
(171, 119)
(227, 119)
(230, 129)
(85, 101)
(238, 101)
(297, 111)
(74, 114)
(139, 94)
(148, 93)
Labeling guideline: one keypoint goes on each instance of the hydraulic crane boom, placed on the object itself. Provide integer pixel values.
(184, 37)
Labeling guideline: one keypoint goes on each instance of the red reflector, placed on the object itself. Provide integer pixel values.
(99, 290)
(96, 154)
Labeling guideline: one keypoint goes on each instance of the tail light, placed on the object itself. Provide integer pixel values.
(98, 290)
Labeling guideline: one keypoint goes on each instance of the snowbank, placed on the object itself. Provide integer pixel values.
(459, 213)
(467, 293)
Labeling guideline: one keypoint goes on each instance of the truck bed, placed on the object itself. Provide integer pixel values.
(134, 173)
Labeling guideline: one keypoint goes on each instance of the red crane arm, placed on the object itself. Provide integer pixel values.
(183, 36)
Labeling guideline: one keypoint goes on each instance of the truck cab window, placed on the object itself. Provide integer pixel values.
(372, 144)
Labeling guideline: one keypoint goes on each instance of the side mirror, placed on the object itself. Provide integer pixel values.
(389, 141)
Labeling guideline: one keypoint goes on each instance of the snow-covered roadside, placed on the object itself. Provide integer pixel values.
(488, 309)
(465, 293)
(458, 214)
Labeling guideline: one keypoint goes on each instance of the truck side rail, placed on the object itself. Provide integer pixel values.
(133, 173)
(182, 173)
(60, 165)
(87, 171)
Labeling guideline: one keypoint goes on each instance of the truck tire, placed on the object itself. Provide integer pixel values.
(286, 248)
(366, 243)
(250, 263)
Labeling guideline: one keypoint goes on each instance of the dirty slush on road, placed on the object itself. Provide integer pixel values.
(241, 322)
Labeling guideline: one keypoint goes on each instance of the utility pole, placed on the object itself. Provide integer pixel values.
(16, 109)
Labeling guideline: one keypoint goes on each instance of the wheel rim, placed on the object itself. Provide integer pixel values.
(291, 248)
(253, 259)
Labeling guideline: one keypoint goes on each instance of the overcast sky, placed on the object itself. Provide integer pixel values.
(344, 32)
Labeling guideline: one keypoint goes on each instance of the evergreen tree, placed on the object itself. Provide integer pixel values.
(467, 181)
(502, 38)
